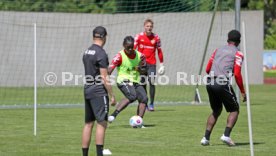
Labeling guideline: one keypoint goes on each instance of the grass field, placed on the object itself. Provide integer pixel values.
(74, 95)
(270, 74)
(172, 130)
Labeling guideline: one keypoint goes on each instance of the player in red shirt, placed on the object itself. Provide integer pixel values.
(148, 43)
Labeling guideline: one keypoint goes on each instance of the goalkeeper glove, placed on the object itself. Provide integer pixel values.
(161, 70)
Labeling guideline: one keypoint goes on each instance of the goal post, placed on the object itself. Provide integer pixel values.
(248, 104)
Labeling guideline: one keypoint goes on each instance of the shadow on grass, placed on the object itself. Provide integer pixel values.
(162, 110)
(247, 143)
(146, 125)
(239, 144)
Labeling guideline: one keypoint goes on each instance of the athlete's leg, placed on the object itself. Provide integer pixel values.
(142, 99)
(216, 106)
(151, 79)
(231, 105)
(88, 126)
(130, 95)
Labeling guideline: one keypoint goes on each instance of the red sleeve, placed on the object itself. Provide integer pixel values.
(210, 62)
(160, 52)
(160, 55)
(136, 41)
(116, 61)
(237, 70)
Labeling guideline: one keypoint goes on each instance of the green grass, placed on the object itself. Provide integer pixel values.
(172, 130)
(270, 74)
(74, 95)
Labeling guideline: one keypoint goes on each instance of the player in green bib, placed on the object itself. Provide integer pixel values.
(130, 63)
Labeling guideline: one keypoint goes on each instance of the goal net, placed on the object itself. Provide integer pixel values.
(62, 32)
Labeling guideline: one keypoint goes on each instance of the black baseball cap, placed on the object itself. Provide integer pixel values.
(234, 36)
(99, 32)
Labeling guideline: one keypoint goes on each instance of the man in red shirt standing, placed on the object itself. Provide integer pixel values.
(147, 43)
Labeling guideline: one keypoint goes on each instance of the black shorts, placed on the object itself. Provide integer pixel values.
(222, 95)
(96, 109)
(133, 91)
(151, 74)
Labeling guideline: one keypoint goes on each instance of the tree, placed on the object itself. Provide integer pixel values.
(81, 6)
(269, 20)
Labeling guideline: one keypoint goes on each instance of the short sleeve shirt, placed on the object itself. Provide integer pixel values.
(93, 59)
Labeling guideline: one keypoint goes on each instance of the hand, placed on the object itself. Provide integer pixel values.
(244, 97)
(112, 100)
(161, 70)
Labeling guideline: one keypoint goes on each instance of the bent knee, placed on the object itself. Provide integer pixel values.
(144, 100)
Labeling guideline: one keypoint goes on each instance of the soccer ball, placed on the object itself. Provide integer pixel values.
(136, 121)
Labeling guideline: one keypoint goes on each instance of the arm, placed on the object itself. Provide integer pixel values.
(159, 50)
(237, 73)
(116, 61)
(107, 85)
(160, 55)
(161, 69)
(102, 60)
(210, 62)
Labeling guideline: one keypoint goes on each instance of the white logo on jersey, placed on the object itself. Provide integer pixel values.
(90, 52)
(116, 58)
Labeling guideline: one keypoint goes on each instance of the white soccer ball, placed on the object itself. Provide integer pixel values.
(136, 121)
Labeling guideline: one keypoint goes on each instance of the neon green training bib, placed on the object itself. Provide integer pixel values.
(126, 71)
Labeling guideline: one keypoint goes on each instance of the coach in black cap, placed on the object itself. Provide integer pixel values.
(99, 32)
(97, 91)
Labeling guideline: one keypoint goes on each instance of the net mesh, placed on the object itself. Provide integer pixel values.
(62, 37)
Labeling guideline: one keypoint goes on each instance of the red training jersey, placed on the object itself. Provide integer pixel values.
(148, 45)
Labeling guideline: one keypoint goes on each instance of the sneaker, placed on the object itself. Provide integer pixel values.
(204, 142)
(227, 140)
(111, 119)
(151, 107)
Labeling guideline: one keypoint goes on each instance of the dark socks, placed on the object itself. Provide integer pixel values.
(227, 131)
(85, 151)
(207, 134)
(115, 113)
(99, 149)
